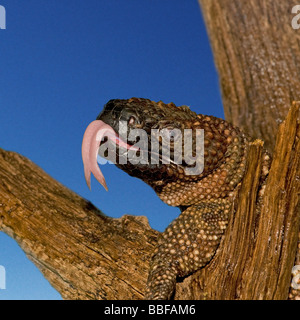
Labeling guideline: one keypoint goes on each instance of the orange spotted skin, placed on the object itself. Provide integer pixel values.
(191, 240)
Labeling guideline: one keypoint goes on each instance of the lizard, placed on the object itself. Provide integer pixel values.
(205, 199)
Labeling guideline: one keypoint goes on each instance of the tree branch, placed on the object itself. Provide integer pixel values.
(83, 254)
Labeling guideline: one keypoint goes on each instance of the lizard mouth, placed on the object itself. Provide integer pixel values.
(93, 135)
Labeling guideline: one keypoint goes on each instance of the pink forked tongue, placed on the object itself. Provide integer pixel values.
(93, 135)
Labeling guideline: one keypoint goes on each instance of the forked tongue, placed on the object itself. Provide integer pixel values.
(92, 137)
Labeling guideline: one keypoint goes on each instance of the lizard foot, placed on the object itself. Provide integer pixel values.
(187, 244)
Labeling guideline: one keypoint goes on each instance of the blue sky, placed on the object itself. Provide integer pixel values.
(60, 62)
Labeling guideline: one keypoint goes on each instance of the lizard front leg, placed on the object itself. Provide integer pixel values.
(187, 244)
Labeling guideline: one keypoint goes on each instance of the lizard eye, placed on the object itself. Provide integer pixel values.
(132, 121)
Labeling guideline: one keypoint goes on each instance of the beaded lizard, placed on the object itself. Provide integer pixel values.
(205, 199)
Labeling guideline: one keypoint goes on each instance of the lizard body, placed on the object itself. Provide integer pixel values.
(205, 199)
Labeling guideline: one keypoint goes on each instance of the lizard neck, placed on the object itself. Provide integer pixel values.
(215, 185)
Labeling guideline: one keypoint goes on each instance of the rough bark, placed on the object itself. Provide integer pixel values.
(257, 253)
(83, 253)
(257, 55)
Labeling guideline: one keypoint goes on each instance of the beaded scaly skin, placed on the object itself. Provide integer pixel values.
(205, 200)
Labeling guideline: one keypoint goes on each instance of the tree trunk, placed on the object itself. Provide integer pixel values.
(86, 255)
(257, 253)
(257, 55)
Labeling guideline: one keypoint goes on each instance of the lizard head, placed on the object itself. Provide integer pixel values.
(170, 148)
